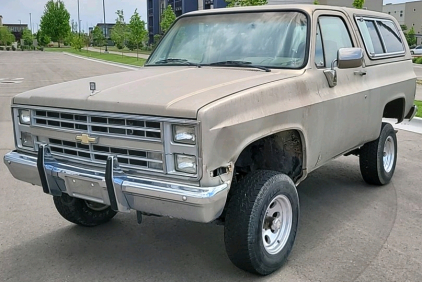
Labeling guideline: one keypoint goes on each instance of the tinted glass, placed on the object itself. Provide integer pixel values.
(376, 41)
(334, 36)
(390, 36)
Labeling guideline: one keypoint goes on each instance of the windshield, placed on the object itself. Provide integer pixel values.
(268, 39)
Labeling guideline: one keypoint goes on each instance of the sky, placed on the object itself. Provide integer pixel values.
(91, 11)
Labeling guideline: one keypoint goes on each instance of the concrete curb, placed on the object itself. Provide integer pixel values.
(415, 125)
(126, 66)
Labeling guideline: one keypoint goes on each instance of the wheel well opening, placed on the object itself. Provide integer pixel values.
(281, 152)
(395, 109)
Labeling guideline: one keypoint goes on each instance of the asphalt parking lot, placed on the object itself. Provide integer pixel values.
(348, 230)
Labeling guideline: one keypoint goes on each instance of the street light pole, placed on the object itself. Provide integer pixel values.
(105, 28)
(79, 21)
(30, 22)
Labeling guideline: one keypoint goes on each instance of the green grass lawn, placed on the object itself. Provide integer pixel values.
(125, 50)
(419, 104)
(106, 57)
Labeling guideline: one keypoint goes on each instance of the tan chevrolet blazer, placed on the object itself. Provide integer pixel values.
(233, 109)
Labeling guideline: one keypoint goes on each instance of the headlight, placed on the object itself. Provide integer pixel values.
(184, 134)
(25, 116)
(26, 140)
(185, 163)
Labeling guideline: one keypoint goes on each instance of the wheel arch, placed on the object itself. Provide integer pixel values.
(395, 108)
(288, 146)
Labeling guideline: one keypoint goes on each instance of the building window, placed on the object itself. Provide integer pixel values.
(208, 4)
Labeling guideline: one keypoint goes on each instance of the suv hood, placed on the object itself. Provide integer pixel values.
(160, 91)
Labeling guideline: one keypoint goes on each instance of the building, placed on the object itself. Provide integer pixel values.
(409, 14)
(374, 5)
(155, 9)
(106, 28)
(15, 29)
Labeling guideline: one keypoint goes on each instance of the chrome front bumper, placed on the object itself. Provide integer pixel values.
(115, 188)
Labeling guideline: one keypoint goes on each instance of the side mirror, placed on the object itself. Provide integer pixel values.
(348, 58)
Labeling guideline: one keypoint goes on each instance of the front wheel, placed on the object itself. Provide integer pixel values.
(82, 212)
(261, 222)
(378, 158)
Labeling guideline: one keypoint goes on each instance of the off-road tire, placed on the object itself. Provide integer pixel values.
(77, 211)
(371, 157)
(244, 220)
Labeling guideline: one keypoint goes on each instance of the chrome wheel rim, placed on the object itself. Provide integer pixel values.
(95, 206)
(277, 224)
(388, 154)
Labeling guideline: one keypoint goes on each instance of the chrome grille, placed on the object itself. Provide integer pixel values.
(98, 124)
(128, 158)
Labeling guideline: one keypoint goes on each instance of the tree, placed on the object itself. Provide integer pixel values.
(167, 19)
(233, 3)
(42, 38)
(6, 37)
(137, 31)
(358, 4)
(27, 37)
(316, 2)
(77, 41)
(55, 21)
(410, 37)
(98, 37)
(118, 34)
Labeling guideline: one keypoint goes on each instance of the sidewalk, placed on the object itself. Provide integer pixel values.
(418, 92)
(413, 126)
(143, 56)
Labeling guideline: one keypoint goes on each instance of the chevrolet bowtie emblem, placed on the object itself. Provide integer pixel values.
(86, 139)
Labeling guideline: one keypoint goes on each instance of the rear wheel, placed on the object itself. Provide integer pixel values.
(82, 212)
(378, 158)
(261, 222)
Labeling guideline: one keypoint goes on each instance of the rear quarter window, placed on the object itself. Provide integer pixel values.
(381, 37)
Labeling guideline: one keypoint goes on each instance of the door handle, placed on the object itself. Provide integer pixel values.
(360, 72)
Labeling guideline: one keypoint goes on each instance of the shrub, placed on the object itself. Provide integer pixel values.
(1, 48)
(418, 60)
(7, 48)
(40, 48)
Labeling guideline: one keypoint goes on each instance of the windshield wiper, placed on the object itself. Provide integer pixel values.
(175, 60)
(239, 64)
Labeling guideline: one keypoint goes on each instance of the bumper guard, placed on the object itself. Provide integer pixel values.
(115, 188)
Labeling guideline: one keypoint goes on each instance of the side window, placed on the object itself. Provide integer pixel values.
(391, 36)
(319, 53)
(370, 37)
(334, 35)
(381, 37)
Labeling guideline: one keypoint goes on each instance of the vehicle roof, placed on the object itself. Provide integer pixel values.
(309, 8)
